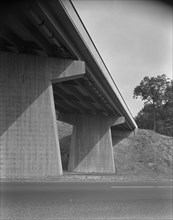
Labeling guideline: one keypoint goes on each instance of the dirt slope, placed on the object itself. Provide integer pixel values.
(148, 153)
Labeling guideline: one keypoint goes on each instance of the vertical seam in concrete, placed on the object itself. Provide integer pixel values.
(110, 133)
(55, 126)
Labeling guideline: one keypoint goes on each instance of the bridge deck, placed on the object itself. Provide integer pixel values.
(46, 28)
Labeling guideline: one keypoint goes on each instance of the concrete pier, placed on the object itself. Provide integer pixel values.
(91, 147)
(28, 130)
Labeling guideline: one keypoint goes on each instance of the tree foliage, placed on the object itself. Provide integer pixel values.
(152, 90)
(157, 113)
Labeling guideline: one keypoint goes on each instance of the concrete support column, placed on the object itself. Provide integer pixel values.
(29, 141)
(91, 146)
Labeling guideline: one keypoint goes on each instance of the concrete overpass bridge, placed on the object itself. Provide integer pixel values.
(50, 69)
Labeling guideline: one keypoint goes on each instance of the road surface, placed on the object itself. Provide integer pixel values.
(58, 200)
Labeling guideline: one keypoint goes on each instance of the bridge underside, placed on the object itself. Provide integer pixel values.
(42, 79)
(35, 92)
(78, 101)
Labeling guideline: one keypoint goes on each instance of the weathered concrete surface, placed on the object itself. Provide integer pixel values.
(28, 130)
(91, 145)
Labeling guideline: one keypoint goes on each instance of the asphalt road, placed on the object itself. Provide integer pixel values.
(57, 200)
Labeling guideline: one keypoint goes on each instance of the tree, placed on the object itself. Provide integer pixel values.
(156, 92)
(152, 90)
(168, 97)
(145, 118)
(167, 113)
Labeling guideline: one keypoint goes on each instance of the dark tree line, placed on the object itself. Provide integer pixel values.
(157, 113)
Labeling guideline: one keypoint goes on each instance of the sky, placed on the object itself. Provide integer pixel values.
(134, 38)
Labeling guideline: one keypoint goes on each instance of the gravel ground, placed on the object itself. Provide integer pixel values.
(73, 177)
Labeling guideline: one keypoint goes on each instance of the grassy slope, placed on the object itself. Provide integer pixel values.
(148, 154)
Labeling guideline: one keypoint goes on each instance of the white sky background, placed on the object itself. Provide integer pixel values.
(134, 38)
